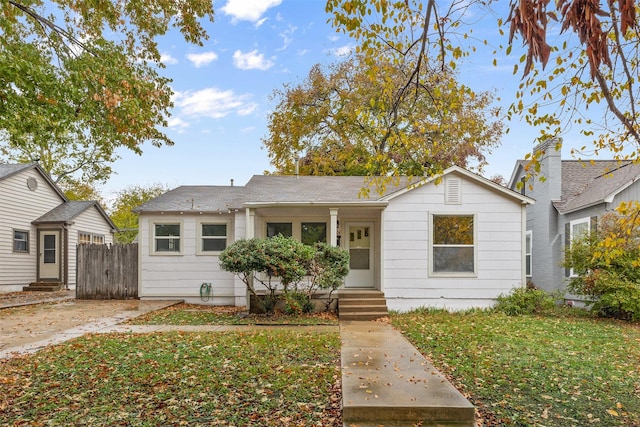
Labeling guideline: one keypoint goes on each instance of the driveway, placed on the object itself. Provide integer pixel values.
(24, 329)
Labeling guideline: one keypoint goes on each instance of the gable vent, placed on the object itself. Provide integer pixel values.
(453, 191)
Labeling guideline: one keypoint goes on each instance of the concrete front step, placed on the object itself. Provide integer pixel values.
(387, 382)
(361, 304)
(44, 287)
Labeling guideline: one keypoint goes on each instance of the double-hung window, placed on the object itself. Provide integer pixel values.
(213, 237)
(20, 241)
(166, 237)
(453, 248)
(527, 253)
(578, 229)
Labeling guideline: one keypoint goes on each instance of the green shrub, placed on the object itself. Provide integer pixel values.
(296, 303)
(608, 264)
(525, 301)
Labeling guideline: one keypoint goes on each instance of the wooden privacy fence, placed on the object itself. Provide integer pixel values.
(107, 271)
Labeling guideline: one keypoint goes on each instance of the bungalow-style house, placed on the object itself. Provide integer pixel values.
(456, 241)
(570, 197)
(40, 228)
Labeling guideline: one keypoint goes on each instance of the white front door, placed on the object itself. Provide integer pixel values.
(360, 244)
(49, 256)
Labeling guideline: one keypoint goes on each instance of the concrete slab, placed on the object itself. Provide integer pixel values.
(387, 382)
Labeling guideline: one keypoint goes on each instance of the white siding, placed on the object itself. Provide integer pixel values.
(19, 206)
(406, 280)
(89, 221)
(180, 276)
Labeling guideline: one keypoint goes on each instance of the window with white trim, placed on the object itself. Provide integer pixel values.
(213, 237)
(20, 241)
(453, 249)
(578, 228)
(527, 253)
(166, 238)
(86, 238)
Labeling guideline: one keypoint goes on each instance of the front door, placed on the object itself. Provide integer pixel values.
(360, 244)
(49, 256)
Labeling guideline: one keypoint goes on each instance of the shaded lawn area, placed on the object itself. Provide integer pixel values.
(556, 370)
(274, 378)
(194, 314)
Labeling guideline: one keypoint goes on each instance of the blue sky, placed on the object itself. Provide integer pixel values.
(222, 91)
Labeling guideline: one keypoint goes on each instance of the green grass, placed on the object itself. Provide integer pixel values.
(275, 378)
(190, 314)
(535, 370)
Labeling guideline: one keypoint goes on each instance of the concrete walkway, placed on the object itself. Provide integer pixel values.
(386, 382)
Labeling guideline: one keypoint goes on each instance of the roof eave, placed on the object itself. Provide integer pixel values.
(364, 203)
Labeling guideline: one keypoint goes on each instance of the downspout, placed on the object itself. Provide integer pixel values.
(65, 254)
(523, 245)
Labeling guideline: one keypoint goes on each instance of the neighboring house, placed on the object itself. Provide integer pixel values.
(454, 242)
(570, 197)
(40, 228)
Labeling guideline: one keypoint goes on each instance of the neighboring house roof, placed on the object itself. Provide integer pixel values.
(589, 183)
(10, 169)
(276, 190)
(66, 213)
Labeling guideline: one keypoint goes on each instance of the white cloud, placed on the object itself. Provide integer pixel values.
(213, 103)
(248, 10)
(342, 51)
(287, 36)
(200, 59)
(167, 59)
(260, 22)
(178, 124)
(251, 60)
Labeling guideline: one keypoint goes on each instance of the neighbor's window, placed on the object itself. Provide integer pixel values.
(167, 237)
(283, 228)
(214, 237)
(20, 241)
(578, 228)
(313, 232)
(84, 238)
(527, 253)
(453, 244)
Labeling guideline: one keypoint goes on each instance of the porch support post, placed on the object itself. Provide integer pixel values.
(251, 223)
(333, 227)
(250, 231)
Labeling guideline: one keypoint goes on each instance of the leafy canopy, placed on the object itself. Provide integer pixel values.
(347, 119)
(80, 79)
(125, 201)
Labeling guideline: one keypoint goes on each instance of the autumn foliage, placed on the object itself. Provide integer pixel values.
(607, 263)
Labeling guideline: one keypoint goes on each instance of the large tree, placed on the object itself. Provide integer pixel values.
(125, 201)
(347, 119)
(587, 80)
(79, 79)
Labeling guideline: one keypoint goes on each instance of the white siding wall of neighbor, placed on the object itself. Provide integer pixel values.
(181, 275)
(406, 280)
(18, 207)
(92, 222)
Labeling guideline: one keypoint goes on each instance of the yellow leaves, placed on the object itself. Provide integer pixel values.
(613, 413)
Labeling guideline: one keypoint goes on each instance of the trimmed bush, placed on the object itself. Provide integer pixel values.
(525, 301)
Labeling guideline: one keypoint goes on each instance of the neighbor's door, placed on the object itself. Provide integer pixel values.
(49, 256)
(360, 244)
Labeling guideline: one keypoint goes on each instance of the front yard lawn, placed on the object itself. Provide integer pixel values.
(193, 314)
(274, 378)
(535, 370)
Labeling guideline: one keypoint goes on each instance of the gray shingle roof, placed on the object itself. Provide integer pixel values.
(201, 198)
(587, 183)
(7, 170)
(264, 189)
(67, 211)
